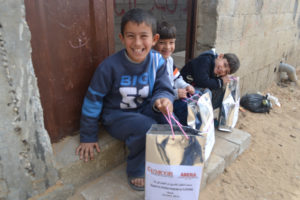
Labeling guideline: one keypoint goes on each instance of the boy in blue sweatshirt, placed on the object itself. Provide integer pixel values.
(130, 90)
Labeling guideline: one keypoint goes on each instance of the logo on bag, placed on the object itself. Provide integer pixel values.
(188, 175)
(158, 172)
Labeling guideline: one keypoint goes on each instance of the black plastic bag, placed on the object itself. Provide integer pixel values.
(256, 103)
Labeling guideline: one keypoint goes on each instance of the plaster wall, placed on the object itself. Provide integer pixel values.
(26, 157)
(261, 33)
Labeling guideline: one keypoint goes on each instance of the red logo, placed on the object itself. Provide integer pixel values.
(188, 175)
(158, 172)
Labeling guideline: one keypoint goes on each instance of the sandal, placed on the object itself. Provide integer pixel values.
(135, 187)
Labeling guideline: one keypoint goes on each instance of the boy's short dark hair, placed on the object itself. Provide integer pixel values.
(139, 16)
(233, 61)
(166, 30)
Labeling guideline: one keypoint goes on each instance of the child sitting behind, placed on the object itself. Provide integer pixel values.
(210, 70)
(125, 89)
(166, 46)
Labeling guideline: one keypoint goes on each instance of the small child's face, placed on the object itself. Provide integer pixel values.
(221, 66)
(165, 46)
(138, 40)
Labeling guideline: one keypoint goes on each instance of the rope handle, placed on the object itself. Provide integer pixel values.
(168, 118)
(233, 78)
(191, 98)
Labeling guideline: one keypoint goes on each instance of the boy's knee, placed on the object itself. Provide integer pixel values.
(143, 125)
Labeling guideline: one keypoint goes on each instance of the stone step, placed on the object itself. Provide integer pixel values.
(113, 184)
(75, 172)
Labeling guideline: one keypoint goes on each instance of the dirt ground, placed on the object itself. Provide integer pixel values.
(270, 168)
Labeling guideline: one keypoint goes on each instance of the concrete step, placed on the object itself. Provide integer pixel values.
(75, 172)
(113, 184)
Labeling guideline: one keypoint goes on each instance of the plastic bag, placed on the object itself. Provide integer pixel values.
(174, 165)
(256, 103)
(273, 100)
(201, 117)
(229, 110)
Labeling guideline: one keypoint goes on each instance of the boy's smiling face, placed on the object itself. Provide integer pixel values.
(165, 46)
(222, 67)
(138, 40)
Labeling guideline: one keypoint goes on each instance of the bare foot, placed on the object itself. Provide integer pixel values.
(139, 182)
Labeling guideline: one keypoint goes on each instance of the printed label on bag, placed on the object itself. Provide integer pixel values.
(166, 182)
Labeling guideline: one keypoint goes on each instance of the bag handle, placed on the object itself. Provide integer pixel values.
(168, 118)
(191, 98)
(233, 78)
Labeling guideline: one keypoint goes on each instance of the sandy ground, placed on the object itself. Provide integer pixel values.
(270, 168)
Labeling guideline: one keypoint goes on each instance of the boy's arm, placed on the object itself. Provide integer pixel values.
(162, 91)
(182, 88)
(178, 80)
(225, 79)
(201, 68)
(89, 126)
(91, 110)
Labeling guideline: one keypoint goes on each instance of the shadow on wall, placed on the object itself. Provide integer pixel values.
(295, 10)
(259, 5)
(299, 27)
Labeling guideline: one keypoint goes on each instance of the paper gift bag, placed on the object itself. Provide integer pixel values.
(201, 117)
(229, 110)
(174, 165)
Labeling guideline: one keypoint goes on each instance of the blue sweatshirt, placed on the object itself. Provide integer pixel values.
(120, 84)
(199, 72)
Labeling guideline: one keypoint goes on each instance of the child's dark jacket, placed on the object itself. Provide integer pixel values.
(199, 72)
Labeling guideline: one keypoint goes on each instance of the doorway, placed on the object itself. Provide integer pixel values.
(69, 39)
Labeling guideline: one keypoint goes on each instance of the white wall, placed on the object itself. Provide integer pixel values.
(262, 33)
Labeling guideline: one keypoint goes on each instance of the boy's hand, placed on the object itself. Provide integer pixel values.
(182, 93)
(162, 104)
(86, 150)
(226, 79)
(190, 89)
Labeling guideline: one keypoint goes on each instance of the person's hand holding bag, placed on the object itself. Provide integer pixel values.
(163, 105)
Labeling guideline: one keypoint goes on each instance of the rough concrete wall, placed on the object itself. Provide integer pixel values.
(174, 12)
(262, 33)
(26, 167)
(206, 27)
